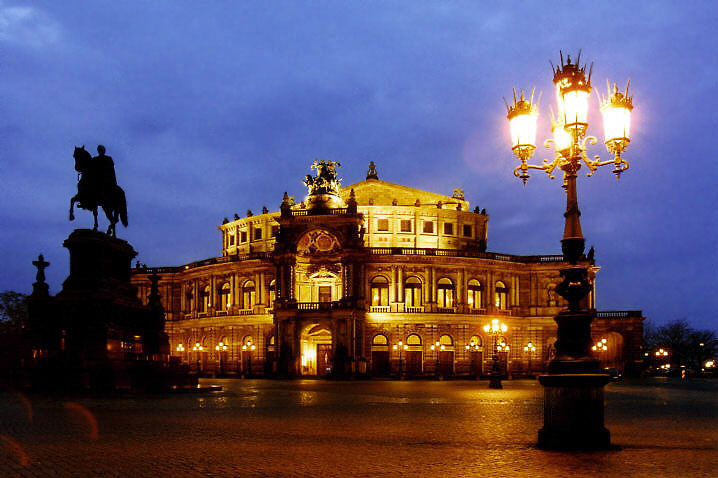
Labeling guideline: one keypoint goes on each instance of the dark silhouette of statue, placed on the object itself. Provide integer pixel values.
(97, 187)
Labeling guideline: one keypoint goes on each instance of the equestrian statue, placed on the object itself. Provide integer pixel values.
(97, 187)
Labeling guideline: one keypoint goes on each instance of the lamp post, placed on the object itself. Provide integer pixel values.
(573, 390)
(494, 329)
(400, 347)
(473, 346)
(249, 348)
(437, 347)
(197, 348)
(220, 347)
(529, 348)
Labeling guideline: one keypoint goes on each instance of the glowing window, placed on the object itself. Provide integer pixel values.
(448, 229)
(474, 294)
(382, 225)
(225, 297)
(412, 292)
(248, 295)
(501, 296)
(380, 340)
(428, 227)
(379, 291)
(413, 339)
(445, 293)
(405, 225)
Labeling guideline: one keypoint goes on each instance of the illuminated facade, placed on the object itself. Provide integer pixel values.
(371, 279)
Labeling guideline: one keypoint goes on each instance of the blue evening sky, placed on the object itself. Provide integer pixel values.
(211, 108)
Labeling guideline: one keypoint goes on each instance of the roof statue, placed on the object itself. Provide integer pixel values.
(371, 173)
(324, 188)
(97, 187)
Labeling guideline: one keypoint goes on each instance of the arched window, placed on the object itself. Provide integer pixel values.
(446, 341)
(225, 297)
(272, 293)
(474, 290)
(380, 340)
(270, 344)
(247, 341)
(379, 291)
(412, 292)
(189, 302)
(413, 339)
(474, 343)
(205, 301)
(248, 295)
(501, 296)
(445, 293)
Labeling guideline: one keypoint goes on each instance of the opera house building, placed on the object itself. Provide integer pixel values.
(374, 279)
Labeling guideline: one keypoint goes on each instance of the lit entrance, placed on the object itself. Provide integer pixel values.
(316, 350)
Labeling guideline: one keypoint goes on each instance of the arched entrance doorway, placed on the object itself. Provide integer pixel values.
(476, 355)
(316, 351)
(380, 365)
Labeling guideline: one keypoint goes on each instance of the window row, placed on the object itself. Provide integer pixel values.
(243, 236)
(445, 341)
(445, 293)
(223, 299)
(406, 225)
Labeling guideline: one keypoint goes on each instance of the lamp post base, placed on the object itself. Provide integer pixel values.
(495, 382)
(573, 412)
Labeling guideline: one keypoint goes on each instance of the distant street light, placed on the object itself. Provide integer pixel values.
(438, 348)
(530, 349)
(400, 346)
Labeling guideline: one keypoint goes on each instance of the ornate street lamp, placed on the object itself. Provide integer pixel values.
(437, 347)
(495, 328)
(573, 391)
(529, 348)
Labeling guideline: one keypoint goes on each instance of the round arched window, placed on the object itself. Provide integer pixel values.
(474, 294)
(445, 293)
(379, 291)
(412, 292)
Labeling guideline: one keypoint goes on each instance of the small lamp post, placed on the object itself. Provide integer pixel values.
(437, 347)
(495, 328)
(475, 347)
(529, 348)
(573, 390)
(197, 348)
(400, 346)
(220, 347)
(249, 348)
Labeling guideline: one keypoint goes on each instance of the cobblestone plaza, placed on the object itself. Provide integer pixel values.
(353, 428)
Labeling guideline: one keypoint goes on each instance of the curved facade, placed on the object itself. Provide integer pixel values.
(397, 283)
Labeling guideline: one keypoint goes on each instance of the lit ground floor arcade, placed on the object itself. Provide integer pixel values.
(347, 345)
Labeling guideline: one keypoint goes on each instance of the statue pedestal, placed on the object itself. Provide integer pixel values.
(96, 333)
(573, 412)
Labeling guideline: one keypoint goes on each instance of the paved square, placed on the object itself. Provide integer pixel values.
(377, 428)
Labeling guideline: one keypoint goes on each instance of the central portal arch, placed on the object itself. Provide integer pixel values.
(316, 350)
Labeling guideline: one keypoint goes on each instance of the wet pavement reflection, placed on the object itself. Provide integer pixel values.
(357, 428)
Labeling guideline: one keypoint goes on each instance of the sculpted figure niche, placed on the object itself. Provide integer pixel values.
(97, 187)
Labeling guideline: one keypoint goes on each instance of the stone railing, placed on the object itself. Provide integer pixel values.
(419, 251)
(618, 314)
(206, 262)
(380, 308)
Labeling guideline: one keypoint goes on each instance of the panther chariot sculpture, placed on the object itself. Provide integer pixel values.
(97, 187)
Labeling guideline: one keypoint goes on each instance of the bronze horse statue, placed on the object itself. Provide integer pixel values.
(95, 190)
